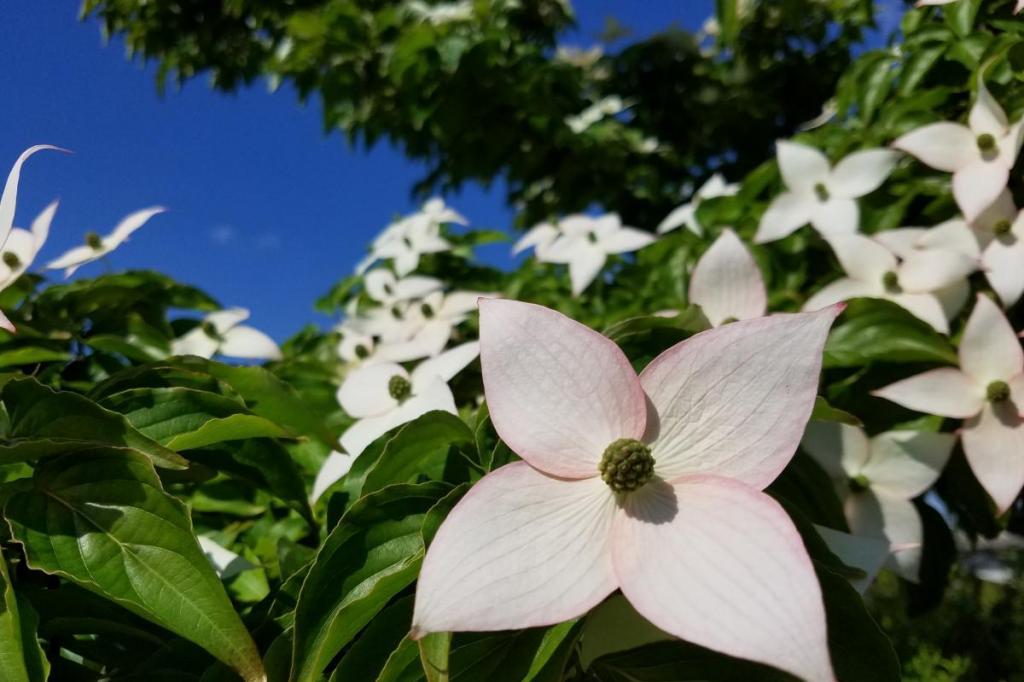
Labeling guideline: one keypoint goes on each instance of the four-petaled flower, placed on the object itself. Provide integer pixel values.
(586, 242)
(23, 246)
(648, 484)
(979, 154)
(96, 247)
(821, 194)
(726, 282)
(686, 214)
(877, 478)
(222, 333)
(987, 391)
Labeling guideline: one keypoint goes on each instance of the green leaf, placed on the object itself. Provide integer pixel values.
(420, 448)
(31, 355)
(873, 330)
(370, 556)
(21, 657)
(184, 418)
(960, 16)
(368, 655)
(826, 413)
(47, 422)
(102, 520)
(434, 650)
(680, 662)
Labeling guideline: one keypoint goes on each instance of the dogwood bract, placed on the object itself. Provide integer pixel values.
(96, 247)
(988, 391)
(876, 478)
(726, 282)
(821, 194)
(648, 484)
(686, 214)
(979, 154)
(23, 246)
(586, 242)
(221, 332)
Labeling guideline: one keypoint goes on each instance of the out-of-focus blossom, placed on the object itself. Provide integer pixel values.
(925, 3)
(726, 282)
(864, 553)
(987, 391)
(221, 333)
(979, 154)
(385, 395)
(914, 283)
(226, 563)
(334, 467)
(586, 242)
(539, 238)
(877, 478)
(442, 13)
(579, 57)
(96, 247)
(672, 513)
(821, 194)
(383, 287)
(23, 246)
(686, 214)
(599, 110)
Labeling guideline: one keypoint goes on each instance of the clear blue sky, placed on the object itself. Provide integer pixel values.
(266, 211)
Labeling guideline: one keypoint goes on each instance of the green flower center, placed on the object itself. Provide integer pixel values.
(592, 237)
(821, 191)
(986, 142)
(93, 241)
(891, 281)
(399, 387)
(626, 465)
(11, 259)
(1002, 227)
(362, 352)
(859, 483)
(998, 391)
(427, 311)
(396, 313)
(210, 330)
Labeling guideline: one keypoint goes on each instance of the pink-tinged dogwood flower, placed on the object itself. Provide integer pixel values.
(8, 204)
(877, 478)
(979, 154)
(726, 282)
(96, 247)
(385, 395)
(987, 391)
(914, 283)
(586, 242)
(648, 484)
(821, 194)
(222, 333)
(715, 187)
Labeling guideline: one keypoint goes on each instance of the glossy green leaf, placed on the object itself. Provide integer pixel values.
(101, 519)
(418, 449)
(872, 330)
(21, 657)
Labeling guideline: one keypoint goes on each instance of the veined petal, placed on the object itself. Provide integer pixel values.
(944, 146)
(720, 564)
(734, 401)
(625, 240)
(878, 515)
(584, 267)
(727, 283)
(436, 396)
(842, 289)
(994, 443)
(861, 173)
(926, 270)
(785, 214)
(364, 393)
(334, 467)
(1003, 262)
(194, 342)
(906, 463)
(247, 342)
(986, 115)
(558, 392)
(977, 185)
(801, 167)
(989, 348)
(446, 365)
(842, 450)
(925, 307)
(946, 391)
(836, 216)
(521, 549)
(9, 199)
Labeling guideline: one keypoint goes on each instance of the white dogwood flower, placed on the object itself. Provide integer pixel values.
(23, 246)
(686, 214)
(821, 194)
(539, 238)
(221, 333)
(727, 283)
(586, 242)
(96, 247)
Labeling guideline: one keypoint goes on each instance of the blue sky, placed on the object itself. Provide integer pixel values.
(266, 211)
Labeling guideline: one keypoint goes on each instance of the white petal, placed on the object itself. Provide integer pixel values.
(226, 563)
(902, 241)
(128, 225)
(867, 554)
(681, 215)
(802, 167)
(836, 216)
(584, 267)
(947, 392)
(907, 463)
(785, 214)
(719, 564)
(437, 396)
(943, 146)
(925, 307)
(9, 199)
(247, 342)
(195, 342)
(977, 185)
(558, 392)
(994, 445)
(380, 285)
(952, 235)
(6, 323)
(334, 467)
(894, 519)
(364, 393)
(986, 115)
(427, 342)
(625, 240)
(520, 550)
(538, 237)
(223, 320)
(446, 365)
(989, 348)
(843, 289)
(862, 258)
(861, 172)
(1003, 262)
(842, 450)
(733, 401)
(927, 270)
(74, 258)
(726, 282)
